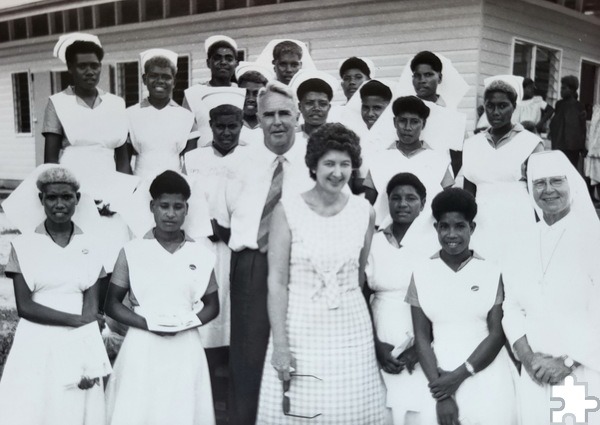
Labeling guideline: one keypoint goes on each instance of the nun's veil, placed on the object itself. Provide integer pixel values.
(555, 163)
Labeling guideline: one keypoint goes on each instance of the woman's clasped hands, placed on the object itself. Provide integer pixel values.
(546, 369)
(392, 364)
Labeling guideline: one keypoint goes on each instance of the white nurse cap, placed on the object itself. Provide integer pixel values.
(217, 96)
(146, 55)
(217, 38)
(244, 67)
(65, 40)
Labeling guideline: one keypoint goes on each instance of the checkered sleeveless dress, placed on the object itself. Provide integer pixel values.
(328, 324)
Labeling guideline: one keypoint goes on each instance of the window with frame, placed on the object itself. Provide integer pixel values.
(60, 80)
(22, 102)
(541, 64)
(589, 87)
(127, 81)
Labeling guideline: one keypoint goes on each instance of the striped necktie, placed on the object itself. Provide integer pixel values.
(273, 197)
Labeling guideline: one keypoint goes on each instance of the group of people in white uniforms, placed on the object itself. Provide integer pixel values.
(397, 134)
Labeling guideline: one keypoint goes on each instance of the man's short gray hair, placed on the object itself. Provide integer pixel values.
(278, 88)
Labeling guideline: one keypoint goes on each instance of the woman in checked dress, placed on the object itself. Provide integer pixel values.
(321, 353)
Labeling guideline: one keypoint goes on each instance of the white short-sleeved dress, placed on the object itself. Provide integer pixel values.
(457, 304)
(389, 272)
(504, 211)
(31, 389)
(208, 169)
(90, 137)
(328, 324)
(158, 136)
(159, 380)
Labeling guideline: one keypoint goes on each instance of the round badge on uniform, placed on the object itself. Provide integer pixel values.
(84, 251)
(192, 267)
(474, 288)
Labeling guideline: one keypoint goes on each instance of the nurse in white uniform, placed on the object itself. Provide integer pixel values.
(221, 59)
(207, 167)
(286, 57)
(410, 154)
(433, 78)
(161, 375)
(314, 90)
(369, 115)
(493, 168)
(353, 71)
(252, 77)
(456, 301)
(394, 252)
(86, 129)
(160, 130)
(56, 270)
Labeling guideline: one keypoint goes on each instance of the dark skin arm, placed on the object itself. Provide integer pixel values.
(123, 159)
(447, 409)
(485, 353)
(52, 146)
(211, 306)
(114, 308)
(546, 115)
(423, 340)
(38, 313)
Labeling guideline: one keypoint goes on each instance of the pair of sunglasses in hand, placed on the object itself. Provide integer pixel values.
(286, 403)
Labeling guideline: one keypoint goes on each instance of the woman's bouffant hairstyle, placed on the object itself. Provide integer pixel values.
(499, 86)
(454, 200)
(332, 137)
(170, 182)
(406, 179)
(79, 47)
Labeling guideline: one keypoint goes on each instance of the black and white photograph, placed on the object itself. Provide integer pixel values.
(288, 212)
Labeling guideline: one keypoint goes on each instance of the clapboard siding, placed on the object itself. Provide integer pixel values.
(388, 31)
(503, 21)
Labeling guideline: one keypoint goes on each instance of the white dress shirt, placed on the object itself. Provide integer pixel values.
(246, 188)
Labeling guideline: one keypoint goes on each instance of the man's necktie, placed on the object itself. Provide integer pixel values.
(273, 197)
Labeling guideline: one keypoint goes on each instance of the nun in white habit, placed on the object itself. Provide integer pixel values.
(552, 290)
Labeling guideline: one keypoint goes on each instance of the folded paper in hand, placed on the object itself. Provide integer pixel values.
(399, 349)
(172, 323)
(80, 352)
